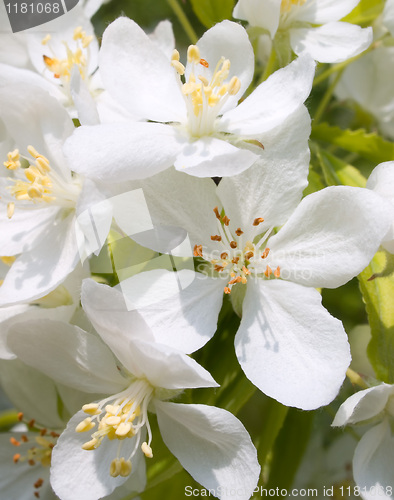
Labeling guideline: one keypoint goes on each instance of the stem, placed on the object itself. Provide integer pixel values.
(270, 67)
(355, 379)
(177, 9)
(326, 98)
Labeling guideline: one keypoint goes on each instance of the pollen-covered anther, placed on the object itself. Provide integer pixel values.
(239, 231)
(233, 244)
(264, 255)
(16, 458)
(147, 450)
(120, 467)
(175, 63)
(193, 54)
(225, 220)
(85, 425)
(91, 409)
(238, 279)
(14, 441)
(91, 445)
(249, 255)
(235, 260)
(277, 272)
(234, 86)
(227, 290)
(245, 270)
(39, 483)
(268, 271)
(224, 255)
(216, 211)
(204, 63)
(218, 268)
(13, 162)
(197, 251)
(258, 221)
(216, 237)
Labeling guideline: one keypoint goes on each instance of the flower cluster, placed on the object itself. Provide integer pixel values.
(156, 202)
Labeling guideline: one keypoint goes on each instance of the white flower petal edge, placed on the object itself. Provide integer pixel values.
(363, 405)
(223, 458)
(381, 181)
(289, 346)
(331, 236)
(372, 462)
(332, 42)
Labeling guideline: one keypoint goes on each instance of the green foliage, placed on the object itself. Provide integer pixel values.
(365, 12)
(210, 12)
(368, 145)
(378, 295)
(338, 172)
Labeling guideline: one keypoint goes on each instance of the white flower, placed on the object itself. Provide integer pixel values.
(198, 126)
(388, 16)
(373, 457)
(368, 82)
(311, 25)
(39, 204)
(287, 344)
(210, 443)
(381, 181)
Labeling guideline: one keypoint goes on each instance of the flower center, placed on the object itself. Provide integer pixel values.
(204, 98)
(287, 5)
(61, 68)
(121, 416)
(237, 259)
(38, 183)
(39, 453)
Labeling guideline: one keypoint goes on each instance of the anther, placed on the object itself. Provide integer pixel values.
(20, 416)
(179, 67)
(235, 260)
(91, 409)
(264, 255)
(227, 290)
(25, 439)
(193, 54)
(123, 429)
(225, 220)
(175, 55)
(258, 221)
(39, 483)
(249, 255)
(216, 237)
(197, 251)
(268, 271)
(218, 268)
(91, 445)
(146, 450)
(224, 255)
(277, 272)
(16, 458)
(85, 425)
(14, 442)
(233, 244)
(204, 63)
(217, 212)
(46, 39)
(234, 86)
(239, 231)
(31, 462)
(10, 209)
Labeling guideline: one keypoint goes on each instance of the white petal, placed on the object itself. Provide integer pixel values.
(331, 237)
(325, 11)
(138, 74)
(332, 42)
(372, 463)
(289, 346)
(363, 405)
(83, 99)
(186, 321)
(142, 150)
(31, 392)
(228, 40)
(164, 367)
(211, 157)
(388, 16)
(213, 446)
(77, 473)
(272, 101)
(381, 181)
(67, 354)
(107, 311)
(262, 14)
(17, 480)
(39, 271)
(25, 229)
(163, 37)
(46, 124)
(273, 186)
(176, 199)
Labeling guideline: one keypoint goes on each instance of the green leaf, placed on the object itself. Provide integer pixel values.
(368, 145)
(365, 12)
(289, 449)
(337, 171)
(210, 12)
(378, 296)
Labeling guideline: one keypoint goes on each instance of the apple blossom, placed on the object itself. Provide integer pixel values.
(308, 26)
(374, 453)
(328, 238)
(145, 376)
(194, 124)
